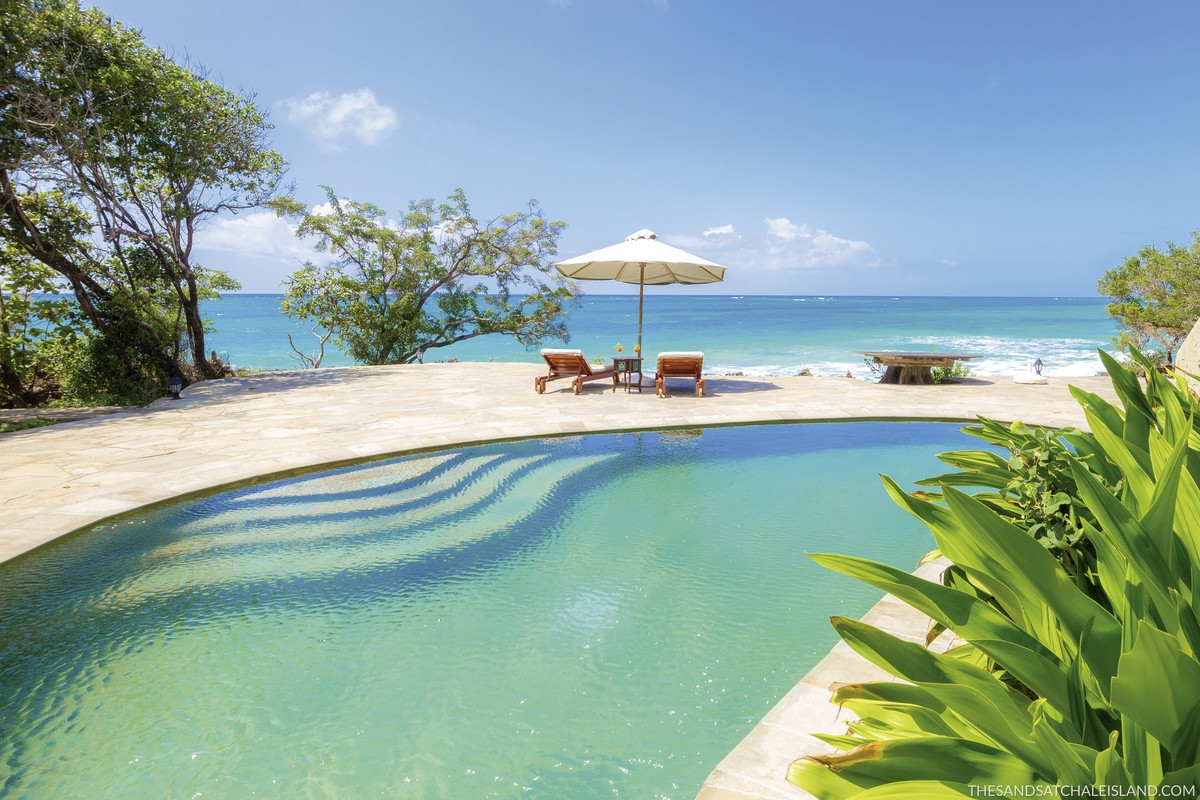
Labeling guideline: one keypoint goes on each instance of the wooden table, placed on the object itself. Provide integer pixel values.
(914, 368)
(626, 368)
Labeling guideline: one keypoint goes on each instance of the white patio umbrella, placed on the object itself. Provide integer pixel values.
(643, 260)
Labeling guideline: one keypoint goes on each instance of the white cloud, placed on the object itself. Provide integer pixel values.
(789, 245)
(259, 234)
(783, 228)
(782, 247)
(326, 209)
(331, 120)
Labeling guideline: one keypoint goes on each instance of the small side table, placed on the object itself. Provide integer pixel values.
(626, 368)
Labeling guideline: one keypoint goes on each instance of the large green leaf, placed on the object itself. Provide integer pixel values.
(970, 618)
(828, 785)
(957, 544)
(877, 721)
(1158, 686)
(1133, 462)
(960, 761)
(1139, 415)
(918, 790)
(1185, 745)
(1159, 519)
(882, 703)
(1128, 537)
(1187, 516)
(1040, 582)
(999, 713)
(1176, 422)
(1088, 451)
(982, 480)
(1105, 413)
(820, 781)
(1187, 778)
(981, 460)
(1188, 629)
(1110, 768)
(1073, 764)
(1141, 753)
(887, 692)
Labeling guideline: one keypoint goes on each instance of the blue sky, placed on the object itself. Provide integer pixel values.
(841, 147)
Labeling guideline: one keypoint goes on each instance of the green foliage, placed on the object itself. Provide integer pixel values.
(1033, 488)
(90, 373)
(1058, 683)
(146, 294)
(1156, 296)
(32, 316)
(396, 290)
(112, 155)
(24, 425)
(958, 369)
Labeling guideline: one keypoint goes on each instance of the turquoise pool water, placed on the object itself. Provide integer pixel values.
(602, 616)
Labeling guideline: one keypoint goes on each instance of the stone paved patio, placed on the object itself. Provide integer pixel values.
(57, 479)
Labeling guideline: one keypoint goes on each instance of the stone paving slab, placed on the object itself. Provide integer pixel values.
(57, 479)
(229, 431)
(56, 414)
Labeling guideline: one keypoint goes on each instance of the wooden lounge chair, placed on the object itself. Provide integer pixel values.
(571, 364)
(679, 365)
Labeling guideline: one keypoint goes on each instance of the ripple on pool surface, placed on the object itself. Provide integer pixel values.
(561, 617)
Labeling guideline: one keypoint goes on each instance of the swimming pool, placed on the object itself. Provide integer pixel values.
(571, 617)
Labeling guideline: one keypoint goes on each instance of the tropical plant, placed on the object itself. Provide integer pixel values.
(1051, 687)
(1156, 297)
(1031, 488)
(397, 289)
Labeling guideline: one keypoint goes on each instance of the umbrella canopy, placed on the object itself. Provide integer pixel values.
(643, 260)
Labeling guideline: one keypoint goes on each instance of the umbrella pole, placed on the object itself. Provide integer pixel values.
(641, 300)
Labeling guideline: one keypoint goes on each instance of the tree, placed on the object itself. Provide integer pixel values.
(111, 157)
(33, 315)
(1156, 296)
(395, 290)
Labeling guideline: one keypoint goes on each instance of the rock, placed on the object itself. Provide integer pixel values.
(804, 373)
(738, 374)
(1188, 357)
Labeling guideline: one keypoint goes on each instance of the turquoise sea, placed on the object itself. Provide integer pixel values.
(754, 335)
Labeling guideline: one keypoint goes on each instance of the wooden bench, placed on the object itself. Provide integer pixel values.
(571, 364)
(914, 368)
(688, 365)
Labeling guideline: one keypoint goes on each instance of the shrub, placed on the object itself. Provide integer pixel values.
(1053, 686)
(956, 370)
(91, 374)
(1032, 488)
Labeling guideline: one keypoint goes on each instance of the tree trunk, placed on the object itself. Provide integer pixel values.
(13, 390)
(190, 300)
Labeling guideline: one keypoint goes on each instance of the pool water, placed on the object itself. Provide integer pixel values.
(563, 618)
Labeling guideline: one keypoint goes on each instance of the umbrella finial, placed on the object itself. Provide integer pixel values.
(644, 233)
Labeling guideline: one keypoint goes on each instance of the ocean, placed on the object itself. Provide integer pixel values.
(752, 335)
